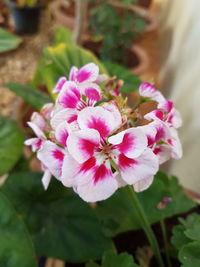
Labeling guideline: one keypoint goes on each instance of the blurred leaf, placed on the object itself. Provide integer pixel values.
(62, 225)
(11, 143)
(118, 215)
(178, 238)
(186, 240)
(192, 225)
(58, 60)
(189, 254)
(131, 81)
(31, 95)
(63, 35)
(8, 41)
(110, 259)
(16, 248)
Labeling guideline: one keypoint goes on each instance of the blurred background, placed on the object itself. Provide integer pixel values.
(156, 40)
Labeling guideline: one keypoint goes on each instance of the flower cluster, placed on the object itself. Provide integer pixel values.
(89, 139)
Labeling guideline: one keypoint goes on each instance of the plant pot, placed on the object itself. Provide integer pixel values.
(144, 3)
(137, 59)
(26, 19)
(142, 59)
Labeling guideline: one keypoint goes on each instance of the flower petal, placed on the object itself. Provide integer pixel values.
(143, 184)
(148, 90)
(59, 85)
(36, 143)
(115, 111)
(39, 121)
(92, 91)
(70, 169)
(163, 152)
(46, 110)
(65, 115)
(97, 184)
(99, 119)
(69, 95)
(73, 73)
(175, 144)
(101, 78)
(39, 133)
(82, 144)
(52, 156)
(174, 118)
(88, 73)
(46, 178)
(62, 133)
(155, 115)
(131, 142)
(134, 170)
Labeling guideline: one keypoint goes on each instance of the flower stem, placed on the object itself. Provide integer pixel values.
(164, 234)
(145, 225)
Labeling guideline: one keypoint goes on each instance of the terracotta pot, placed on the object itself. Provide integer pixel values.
(143, 59)
(144, 3)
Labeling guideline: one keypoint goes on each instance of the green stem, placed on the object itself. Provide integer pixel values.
(164, 234)
(145, 225)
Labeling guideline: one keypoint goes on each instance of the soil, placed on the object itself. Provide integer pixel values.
(20, 65)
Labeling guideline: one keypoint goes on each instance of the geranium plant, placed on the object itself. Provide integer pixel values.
(97, 149)
(92, 141)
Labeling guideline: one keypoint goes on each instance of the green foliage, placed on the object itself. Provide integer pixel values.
(63, 35)
(118, 214)
(189, 255)
(131, 81)
(31, 95)
(11, 142)
(110, 259)
(58, 60)
(8, 41)
(186, 239)
(115, 28)
(16, 248)
(62, 225)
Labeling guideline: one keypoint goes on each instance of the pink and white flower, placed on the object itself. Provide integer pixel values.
(89, 73)
(94, 154)
(35, 142)
(166, 111)
(89, 145)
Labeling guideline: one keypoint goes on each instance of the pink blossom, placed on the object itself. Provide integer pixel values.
(89, 73)
(166, 111)
(35, 142)
(90, 144)
(93, 153)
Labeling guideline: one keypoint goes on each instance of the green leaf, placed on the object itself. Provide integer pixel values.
(58, 60)
(62, 225)
(178, 238)
(192, 226)
(186, 239)
(63, 35)
(117, 213)
(8, 41)
(11, 143)
(131, 81)
(16, 248)
(189, 255)
(110, 259)
(31, 95)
